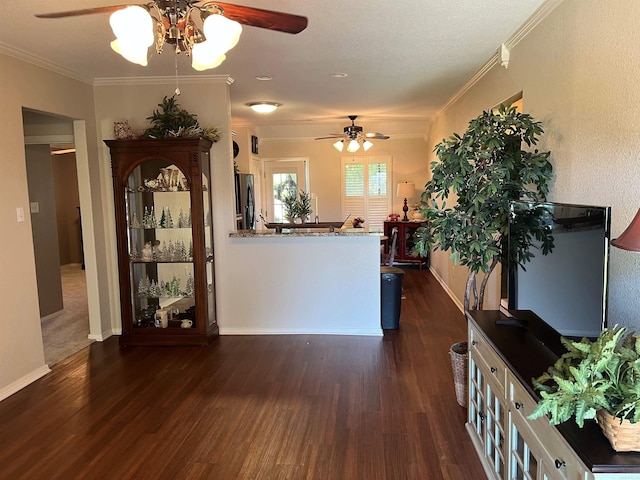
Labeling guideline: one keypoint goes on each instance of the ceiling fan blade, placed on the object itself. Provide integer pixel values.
(328, 138)
(376, 136)
(86, 11)
(257, 17)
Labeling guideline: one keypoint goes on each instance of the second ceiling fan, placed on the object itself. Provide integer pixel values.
(353, 137)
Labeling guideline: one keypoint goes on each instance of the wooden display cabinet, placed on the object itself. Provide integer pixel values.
(405, 242)
(162, 193)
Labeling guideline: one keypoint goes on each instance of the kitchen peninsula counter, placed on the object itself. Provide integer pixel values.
(303, 282)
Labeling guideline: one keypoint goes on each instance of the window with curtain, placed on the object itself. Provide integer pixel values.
(366, 189)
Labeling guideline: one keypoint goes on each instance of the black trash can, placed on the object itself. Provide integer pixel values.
(390, 297)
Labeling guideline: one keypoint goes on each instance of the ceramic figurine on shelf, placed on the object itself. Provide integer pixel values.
(147, 252)
(133, 254)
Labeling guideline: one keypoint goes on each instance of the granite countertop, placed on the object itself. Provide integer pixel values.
(305, 232)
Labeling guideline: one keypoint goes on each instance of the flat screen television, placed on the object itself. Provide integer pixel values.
(567, 287)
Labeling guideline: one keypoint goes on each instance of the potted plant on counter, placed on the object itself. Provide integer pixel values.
(596, 379)
(297, 205)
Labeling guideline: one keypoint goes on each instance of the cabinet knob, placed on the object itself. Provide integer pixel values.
(518, 405)
(494, 369)
(560, 463)
(483, 416)
(473, 342)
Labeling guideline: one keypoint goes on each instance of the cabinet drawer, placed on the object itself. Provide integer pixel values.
(481, 348)
(560, 462)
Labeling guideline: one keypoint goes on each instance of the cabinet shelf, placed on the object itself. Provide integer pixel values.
(160, 262)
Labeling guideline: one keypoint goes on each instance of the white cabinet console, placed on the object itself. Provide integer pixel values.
(504, 355)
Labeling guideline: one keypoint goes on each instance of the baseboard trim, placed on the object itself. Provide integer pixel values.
(51, 316)
(101, 337)
(23, 382)
(374, 332)
(447, 289)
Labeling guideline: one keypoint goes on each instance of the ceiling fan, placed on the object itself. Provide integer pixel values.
(204, 30)
(353, 137)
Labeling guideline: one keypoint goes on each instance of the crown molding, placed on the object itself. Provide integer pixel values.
(538, 16)
(42, 63)
(165, 80)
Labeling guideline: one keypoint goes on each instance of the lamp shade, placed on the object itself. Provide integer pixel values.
(406, 190)
(630, 238)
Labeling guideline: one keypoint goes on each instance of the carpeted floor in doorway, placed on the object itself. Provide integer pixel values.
(67, 333)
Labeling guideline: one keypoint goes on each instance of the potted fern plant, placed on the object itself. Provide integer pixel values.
(596, 379)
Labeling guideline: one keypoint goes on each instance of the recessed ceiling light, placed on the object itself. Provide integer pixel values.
(264, 78)
(263, 107)
(339, 75)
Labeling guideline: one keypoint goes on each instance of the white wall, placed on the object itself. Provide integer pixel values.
(25, 85)
(578, 71)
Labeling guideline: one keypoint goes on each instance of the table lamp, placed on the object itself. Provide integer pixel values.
(630, 238)
(405, 190)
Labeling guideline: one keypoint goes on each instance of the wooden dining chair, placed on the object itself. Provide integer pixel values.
(387, 257)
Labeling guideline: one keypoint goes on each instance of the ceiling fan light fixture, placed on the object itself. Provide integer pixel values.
(263, 107)
(339, 145)
(366, 145)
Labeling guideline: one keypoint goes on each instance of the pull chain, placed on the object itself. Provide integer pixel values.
(177, 91)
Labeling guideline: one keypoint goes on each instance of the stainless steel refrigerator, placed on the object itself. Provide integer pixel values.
(245, 202)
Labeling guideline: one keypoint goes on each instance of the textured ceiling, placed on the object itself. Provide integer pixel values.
(404, 59)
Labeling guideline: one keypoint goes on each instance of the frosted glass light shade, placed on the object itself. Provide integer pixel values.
(339, 145)
(263, 107)
(366, 145)
(353, 146)
(203, 57)
(131, 51)
(133, 28)
(630, 238)
(222, 33)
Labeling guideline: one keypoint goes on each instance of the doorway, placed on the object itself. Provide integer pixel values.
(281, 177)
(52, 180)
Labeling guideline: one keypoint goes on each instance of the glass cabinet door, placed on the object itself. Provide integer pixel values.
(160, 241)
(208, 241)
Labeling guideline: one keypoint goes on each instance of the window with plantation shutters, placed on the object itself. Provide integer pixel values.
(366, 189)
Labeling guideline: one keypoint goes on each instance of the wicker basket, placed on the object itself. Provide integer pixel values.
(624, 437)
(459, 353)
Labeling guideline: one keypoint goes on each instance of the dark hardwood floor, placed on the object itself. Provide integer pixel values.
(253, 407)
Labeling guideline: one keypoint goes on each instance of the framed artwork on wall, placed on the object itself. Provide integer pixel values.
(254, 144)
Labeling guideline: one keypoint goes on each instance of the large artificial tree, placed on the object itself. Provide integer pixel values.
(484, 170)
